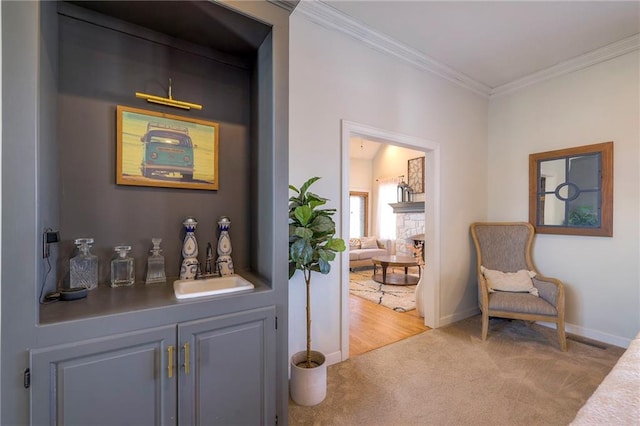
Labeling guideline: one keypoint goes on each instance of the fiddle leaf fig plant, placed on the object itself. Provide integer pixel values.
(312, 242)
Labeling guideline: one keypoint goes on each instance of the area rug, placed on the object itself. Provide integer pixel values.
(400, 298)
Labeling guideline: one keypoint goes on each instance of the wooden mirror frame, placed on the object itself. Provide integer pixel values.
(605, 229)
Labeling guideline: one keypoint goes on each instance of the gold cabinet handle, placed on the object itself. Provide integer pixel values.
(186, 357)
(170, 362)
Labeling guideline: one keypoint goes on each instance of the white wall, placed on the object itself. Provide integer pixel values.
(597, 104)
(360, 175)
(333, 77)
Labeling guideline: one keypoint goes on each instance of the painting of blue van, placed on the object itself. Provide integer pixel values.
(157, 149)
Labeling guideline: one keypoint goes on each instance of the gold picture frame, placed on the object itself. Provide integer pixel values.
(165, 150)
(415, 175)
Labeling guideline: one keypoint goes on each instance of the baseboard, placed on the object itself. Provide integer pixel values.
(333, 357)
(569, 328)
(591, 334)
(458, 316)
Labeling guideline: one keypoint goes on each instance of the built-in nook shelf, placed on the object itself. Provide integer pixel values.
(67, 66)
(408, 207)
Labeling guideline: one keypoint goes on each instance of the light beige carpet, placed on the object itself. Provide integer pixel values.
(449, 376)
(400, 298)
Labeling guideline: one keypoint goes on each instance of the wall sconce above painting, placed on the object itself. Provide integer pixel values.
(571, 191)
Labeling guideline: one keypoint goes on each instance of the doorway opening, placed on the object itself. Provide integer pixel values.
(358, 176)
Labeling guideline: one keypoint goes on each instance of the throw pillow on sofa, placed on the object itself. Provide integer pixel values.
(368, 243)
(354, 243)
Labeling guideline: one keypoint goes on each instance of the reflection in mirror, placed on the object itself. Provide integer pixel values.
(571, 190)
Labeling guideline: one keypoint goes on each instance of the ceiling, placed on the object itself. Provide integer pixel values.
(199, 22)
(363, 149)
(498, 42)
(494, 43)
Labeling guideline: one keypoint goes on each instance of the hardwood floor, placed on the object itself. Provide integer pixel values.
(372, 326)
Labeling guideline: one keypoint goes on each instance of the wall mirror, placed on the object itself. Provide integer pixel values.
(571, 191)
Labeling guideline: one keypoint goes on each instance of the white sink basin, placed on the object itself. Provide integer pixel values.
(186, 289)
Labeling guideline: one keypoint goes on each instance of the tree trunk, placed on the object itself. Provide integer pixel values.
(307, 279)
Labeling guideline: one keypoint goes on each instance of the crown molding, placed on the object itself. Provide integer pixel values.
(331, 18)
(605, 53)
(328, 17)
(287, 5)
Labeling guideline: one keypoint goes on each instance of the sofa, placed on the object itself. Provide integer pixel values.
(362, 249)
(617, 400)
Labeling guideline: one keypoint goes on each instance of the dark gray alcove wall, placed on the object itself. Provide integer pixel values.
(101, 68)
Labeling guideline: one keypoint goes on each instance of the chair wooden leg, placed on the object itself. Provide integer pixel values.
(562, 338)
(485, 325)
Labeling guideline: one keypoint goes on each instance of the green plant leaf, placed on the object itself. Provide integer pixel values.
(323, 225)
(293, 188)
(336, 244)
(301, 253)
(303, 232)
(326, 255)
(307, 184)
(324, 266)
(303, 214)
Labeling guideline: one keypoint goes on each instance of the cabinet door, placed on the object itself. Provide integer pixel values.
(231, 369)
(116, 380)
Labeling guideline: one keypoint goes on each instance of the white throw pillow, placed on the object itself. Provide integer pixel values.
(510, 281)
(368, 243)
(354, 243)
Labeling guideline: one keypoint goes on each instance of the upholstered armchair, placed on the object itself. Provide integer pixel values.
(509, 286)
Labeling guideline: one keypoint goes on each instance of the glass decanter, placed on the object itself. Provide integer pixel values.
(122, 267)
(155, 264)
(83, 268)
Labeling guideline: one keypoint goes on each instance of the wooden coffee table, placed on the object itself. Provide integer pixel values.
(393, 278)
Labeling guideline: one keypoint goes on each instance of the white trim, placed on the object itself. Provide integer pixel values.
(591, 334)
(287, 5)
(459, 316)
(605, 53)
(328, 17)
(431, 288)
(333, 19)
(333, 357)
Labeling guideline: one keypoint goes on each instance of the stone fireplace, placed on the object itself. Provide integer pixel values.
(407, 225)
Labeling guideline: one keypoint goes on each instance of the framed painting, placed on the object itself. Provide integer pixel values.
(415, 173)
(164, 150)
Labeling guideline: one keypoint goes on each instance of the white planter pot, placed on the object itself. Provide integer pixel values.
(308, 386)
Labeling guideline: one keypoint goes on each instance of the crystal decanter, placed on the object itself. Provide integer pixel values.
(155, 264)
(122, 267)
(83, 268)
